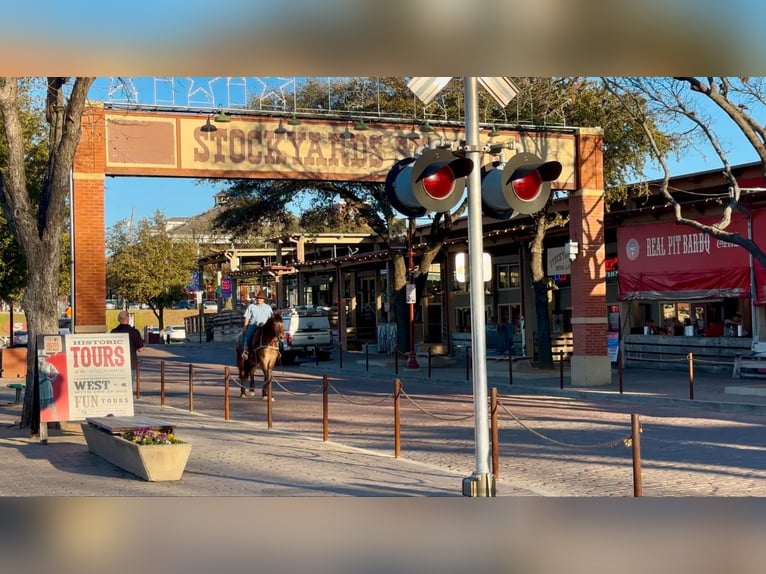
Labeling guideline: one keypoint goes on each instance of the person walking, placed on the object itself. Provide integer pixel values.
(136, 342)
(255, 315)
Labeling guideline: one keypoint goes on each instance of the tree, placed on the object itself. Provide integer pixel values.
(146, 265)
(684, 104)
(582, 103)
(34, 199)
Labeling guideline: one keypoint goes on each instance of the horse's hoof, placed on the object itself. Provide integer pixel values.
(266, 398)
(251, 393)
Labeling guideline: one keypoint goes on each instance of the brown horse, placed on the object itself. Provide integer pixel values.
(263, 353)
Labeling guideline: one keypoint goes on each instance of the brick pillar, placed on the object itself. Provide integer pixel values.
(590, 361)
(88, 235)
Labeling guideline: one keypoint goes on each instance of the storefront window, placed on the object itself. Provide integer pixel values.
(508, 277)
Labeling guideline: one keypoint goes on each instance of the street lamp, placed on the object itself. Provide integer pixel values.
(412, 362)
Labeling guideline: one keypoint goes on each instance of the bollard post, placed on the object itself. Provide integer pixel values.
(691, 376)
(429, 362)
(467, 363)
(510, 368)
(316, 353)
(561, 368)
(325, 409)
(340, 355)
(635, 434)
(138, 379)
(162, 383)
(396, 360)
(191, 387)
(397, 426)
(268, 405)
(367, 357)
(495, 433)
(619, 368)
(226, 376)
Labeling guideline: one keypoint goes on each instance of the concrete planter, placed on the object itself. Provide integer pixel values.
(152, 462)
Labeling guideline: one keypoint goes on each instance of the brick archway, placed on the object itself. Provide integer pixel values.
(118, 142)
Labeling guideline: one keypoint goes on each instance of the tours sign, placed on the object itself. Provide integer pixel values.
(83, 376)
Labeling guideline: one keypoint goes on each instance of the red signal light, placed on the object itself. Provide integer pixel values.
(528, 186)
(439, 184)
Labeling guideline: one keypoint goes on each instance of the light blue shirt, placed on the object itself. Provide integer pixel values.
(257, 313)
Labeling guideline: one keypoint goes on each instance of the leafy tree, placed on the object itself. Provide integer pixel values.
(147, 265)
(685, 104)
(35, 169)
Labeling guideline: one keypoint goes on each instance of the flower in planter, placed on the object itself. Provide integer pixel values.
(149, 436)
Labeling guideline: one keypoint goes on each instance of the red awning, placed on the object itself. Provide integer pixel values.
(667, 261)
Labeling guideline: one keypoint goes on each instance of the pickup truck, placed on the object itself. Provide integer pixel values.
(306, 332)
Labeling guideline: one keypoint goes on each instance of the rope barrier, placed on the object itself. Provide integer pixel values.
(430, 414)
(363, 404)
(295, 394)
(624, 440)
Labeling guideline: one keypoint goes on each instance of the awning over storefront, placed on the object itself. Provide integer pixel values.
(667, 261)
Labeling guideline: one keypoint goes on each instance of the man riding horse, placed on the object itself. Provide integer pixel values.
(255, 316)
(263, 353)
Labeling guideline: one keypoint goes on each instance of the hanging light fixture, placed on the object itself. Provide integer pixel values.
(493, 133)
(361, 126)
(208, 127)
(293, 121)
(347, 135)
(413, 135)
(221, 118)
(425, 127)
(281, 130)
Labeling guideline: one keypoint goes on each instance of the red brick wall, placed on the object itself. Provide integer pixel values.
(586, 226)
(88, 235)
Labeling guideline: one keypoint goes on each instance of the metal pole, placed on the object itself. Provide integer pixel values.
(481, 483)
(412, 362)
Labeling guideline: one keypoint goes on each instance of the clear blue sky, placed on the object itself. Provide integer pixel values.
(142, 196)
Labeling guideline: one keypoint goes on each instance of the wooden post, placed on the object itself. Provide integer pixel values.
(138, 379)
(691, 375)
(226, 375)
(367, 357)
(162, 383)
(268, 405)
(429, 362)
(561, 369)
(191, 387)
(397, 425)
(325, 409)
(495, 432)
(396, 360)
(619, 368)
(510, 368)
(635, 432)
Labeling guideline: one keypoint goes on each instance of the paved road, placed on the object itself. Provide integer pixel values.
(552, 442)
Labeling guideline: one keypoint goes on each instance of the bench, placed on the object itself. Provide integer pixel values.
(752, 365)
(18, 387)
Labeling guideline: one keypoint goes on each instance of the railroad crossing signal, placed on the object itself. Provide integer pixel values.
(520, 185)
(432, 183)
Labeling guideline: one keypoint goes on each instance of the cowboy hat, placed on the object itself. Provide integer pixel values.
(261, 295)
